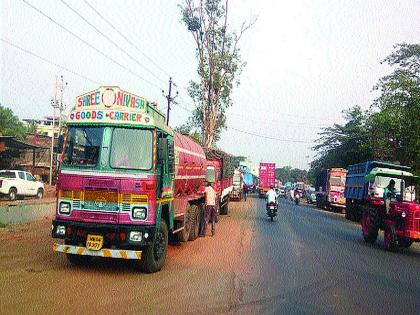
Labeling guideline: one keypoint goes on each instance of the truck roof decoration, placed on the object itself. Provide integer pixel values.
(112, 105)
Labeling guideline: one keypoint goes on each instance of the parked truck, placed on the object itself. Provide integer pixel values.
(237, 185)
(222, 164)
(127, 182)
(267, 177)
(364, 192)
(330, 189)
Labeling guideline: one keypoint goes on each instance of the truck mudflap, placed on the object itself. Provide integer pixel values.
(107, 253)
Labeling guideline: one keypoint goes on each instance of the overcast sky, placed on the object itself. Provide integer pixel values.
(306, 61)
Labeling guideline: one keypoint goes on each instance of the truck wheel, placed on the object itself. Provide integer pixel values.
(405, 242)
(40, 193)
(390, 238)
(154, 256)
(370, 231)
(12, 193)
(185, 233)
(195, 222)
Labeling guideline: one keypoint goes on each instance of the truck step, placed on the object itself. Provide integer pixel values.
(178, 230)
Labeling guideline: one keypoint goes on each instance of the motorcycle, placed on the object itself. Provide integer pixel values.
(272, 210)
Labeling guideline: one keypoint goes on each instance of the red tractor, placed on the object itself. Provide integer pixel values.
(401, 223)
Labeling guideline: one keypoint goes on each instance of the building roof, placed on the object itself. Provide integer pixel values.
(11, 141)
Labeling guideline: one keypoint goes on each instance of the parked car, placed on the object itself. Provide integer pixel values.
(14, 183)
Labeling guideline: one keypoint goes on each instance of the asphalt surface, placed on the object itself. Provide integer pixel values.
(307, 261)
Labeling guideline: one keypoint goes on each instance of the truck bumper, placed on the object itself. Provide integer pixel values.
(108, 253)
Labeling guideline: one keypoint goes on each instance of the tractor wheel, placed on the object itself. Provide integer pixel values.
(405, 242)
(195, 222)
(369, 229)
(390, 238)
(154, 256)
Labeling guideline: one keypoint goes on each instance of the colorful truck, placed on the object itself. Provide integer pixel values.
(399, 218)
(330, 189)
(267, 177)
(127, 182)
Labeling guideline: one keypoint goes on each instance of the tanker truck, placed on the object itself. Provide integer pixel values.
(127, 182)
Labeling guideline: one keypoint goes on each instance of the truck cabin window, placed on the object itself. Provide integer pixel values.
(337, 181)
(132, 149)
(83, 146)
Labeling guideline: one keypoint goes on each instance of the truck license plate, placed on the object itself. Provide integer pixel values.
(94, 242)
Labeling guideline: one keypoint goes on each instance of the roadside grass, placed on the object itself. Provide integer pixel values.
(2, 225)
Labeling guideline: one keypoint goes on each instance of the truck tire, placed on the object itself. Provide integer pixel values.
(184, 235)
(154, 256)
(12, 193)
(405, 242)
(225, 208)
(390, 238)
(195, 222)
(40, 193)
(369, 229)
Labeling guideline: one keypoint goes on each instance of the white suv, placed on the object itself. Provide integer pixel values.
(15, 183)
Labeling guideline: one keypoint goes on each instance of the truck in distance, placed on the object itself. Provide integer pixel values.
(267, 178)
(330, 189)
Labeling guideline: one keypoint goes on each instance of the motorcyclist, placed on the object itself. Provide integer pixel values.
(271, 196)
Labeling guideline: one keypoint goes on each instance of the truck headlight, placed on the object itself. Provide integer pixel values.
(64, 208)
(139, 213)
(60, 230)
(135, 236)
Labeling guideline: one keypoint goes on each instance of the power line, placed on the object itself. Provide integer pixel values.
(49, 61)
(110, 40)
(88, 44)
(126, 38)
(268, 137)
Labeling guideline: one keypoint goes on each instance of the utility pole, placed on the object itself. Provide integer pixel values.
(169, 98)
(56, 102)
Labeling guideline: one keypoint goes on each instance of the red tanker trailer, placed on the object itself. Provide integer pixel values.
(127, 182)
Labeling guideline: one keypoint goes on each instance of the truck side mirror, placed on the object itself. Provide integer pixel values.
(162, 149)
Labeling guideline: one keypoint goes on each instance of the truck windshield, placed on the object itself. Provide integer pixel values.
(83, 146)
(337, 181)
(132, 149)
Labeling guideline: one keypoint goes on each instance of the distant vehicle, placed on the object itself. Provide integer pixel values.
(238, 185)
(330, 189)
(14, 183)
(310, 195)
(267, 177)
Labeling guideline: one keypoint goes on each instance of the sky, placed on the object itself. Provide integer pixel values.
(306, 61)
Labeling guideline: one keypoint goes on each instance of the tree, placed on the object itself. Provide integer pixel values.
(395, 117)
(289, 174)
(10, 125)
(219, 64)
(342, 145)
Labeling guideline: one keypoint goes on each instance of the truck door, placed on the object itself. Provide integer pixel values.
(165, 153)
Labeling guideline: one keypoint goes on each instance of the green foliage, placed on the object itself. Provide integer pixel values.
(389, 131)
(10, 125)
(219, 65)
(289, 174)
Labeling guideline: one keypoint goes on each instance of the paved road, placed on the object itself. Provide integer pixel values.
(307, 261)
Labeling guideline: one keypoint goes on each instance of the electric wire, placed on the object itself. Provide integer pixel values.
(111, 41)
(89, 45)
(49, 61)
(126, 38)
